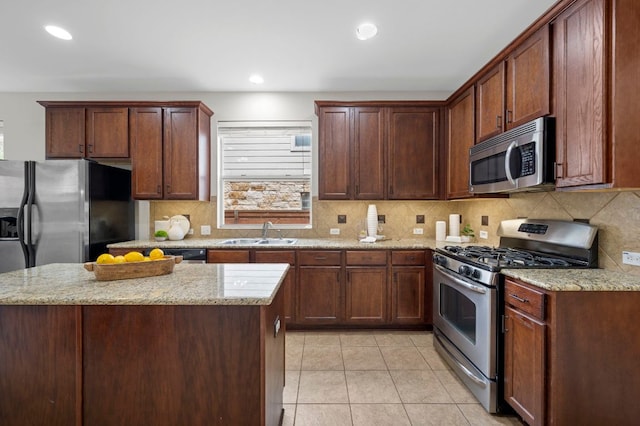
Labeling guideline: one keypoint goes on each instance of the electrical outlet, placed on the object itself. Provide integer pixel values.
(484, 234)
(205, 229)
(334, 231)
(190, 231)
(419, 218)
(418, 231)
(631, 258)
(381, 218)
(342, 218)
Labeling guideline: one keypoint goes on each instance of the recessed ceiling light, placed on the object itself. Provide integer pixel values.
(256, 79)
(366, 31)
(58, 32)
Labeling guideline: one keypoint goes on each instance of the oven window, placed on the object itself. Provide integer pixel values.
(459, 311)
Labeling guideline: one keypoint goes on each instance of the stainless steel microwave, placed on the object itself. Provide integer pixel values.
(520, 159)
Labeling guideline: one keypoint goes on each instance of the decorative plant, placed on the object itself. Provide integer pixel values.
(468, 231)
(161, 234)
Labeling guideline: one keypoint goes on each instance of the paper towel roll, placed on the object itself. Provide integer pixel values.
(372, 220)
(441, 230)
(454, 225)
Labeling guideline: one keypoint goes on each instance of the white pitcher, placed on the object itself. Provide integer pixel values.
(175, 231)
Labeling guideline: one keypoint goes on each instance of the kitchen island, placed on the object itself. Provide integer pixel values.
(202, 345)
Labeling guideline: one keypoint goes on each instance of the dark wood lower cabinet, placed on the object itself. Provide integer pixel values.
(319, 295)
(142, 365)
(366, 295)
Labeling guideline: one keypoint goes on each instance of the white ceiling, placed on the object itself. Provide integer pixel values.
(212, 45)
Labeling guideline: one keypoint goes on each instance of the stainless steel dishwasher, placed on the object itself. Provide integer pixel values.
(188, 255)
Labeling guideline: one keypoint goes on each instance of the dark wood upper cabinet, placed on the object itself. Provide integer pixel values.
(528, 80)
(460, 138)
(75, 131)
(378, 150)
(413, 142)
(596, 75)
(490, 103)
(515, 90)
(145, 133)
(368, 145)
(334, 151)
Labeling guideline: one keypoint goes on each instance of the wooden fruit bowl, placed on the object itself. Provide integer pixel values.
(123, 271)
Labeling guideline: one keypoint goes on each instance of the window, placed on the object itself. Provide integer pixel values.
(264, 171)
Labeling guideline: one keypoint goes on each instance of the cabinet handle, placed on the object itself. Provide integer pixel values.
(357, 189)
(558, 170)
(504, 323)
(159, 189)
(168, 189)
(90, 148)
(518, 298)
(498, 121)
(320, 258)
(509, 116)
(80, 148)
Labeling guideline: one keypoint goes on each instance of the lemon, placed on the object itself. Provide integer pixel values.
(134, 256)
(156, 254)
(147, 259)
(105, 258)
(119, 259)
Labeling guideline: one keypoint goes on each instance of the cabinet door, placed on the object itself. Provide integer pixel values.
(181, 154)
(528, 87)
(460, 138)
(145, 134)
(490, 103)
(366, 295)
(407, 295)
(524, 365)
(319, 295)
(107, 133)
(369, 179)
(289, 283)
(580, 83)
(413, 153)
(334, 153)
(65, 132)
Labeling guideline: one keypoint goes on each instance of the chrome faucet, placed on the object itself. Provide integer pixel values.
(265, 229)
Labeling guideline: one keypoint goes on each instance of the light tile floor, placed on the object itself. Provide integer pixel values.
(375, 378)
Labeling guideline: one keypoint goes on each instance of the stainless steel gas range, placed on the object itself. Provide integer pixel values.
(468, 294)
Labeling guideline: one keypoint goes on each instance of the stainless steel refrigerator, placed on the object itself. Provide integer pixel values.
(61, 211)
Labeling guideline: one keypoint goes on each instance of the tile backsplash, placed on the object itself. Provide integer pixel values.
(617, 215)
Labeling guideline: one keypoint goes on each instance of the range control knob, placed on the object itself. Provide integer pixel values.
(440, 260)
(464, 270)
(476, 274)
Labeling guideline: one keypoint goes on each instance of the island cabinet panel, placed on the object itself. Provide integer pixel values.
(289, 282)
(39, 351)
(170, 365)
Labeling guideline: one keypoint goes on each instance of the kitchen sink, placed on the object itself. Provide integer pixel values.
(259, 241)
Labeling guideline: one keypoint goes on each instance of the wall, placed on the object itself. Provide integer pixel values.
(617, 215)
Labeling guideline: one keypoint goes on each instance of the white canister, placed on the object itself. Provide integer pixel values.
(454, 225)
(372, 220)
(441, 230)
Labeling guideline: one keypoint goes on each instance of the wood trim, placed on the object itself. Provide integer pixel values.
(129, 104)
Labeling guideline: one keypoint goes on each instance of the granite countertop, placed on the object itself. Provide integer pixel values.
(188, 284)
(301, 243)
(576, 279)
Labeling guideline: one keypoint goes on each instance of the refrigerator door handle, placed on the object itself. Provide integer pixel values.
(31, 189)
(20, 219)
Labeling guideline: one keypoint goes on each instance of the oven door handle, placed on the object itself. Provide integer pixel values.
(507, 162)
(460, 282)
(464, 369)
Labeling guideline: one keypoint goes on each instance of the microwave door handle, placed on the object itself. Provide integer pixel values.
(507, 162)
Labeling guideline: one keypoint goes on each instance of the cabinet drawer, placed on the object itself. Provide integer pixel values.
(228, 256)
(366, 257)
(525, 299)
(313, 257)
(413, 257)
(269, 256)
